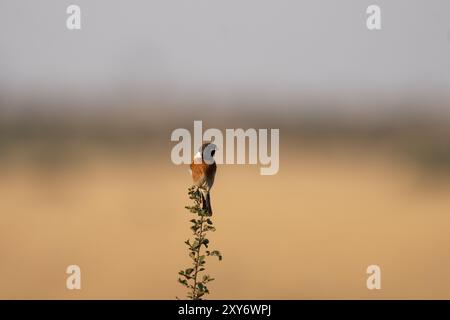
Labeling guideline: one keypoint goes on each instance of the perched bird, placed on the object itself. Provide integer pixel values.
(203, 171)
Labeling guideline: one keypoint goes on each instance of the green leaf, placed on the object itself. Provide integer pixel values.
(188, 270)
(183, 282)
(201, 286)
(196, 244)
(217, 254)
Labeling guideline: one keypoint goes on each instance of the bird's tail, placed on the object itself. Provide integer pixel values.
(207, 202)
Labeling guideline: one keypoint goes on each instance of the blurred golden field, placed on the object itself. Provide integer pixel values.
(308, 232)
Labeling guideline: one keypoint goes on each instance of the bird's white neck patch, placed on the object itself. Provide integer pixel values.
(198, 156)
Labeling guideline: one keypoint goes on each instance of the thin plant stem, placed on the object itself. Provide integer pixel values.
(201, 225)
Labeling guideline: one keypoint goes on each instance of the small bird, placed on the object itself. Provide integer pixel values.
(203, 171)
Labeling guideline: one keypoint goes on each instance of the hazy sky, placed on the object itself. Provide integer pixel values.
(225, 45)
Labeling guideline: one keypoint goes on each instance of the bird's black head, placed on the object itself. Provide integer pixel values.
(208, 151)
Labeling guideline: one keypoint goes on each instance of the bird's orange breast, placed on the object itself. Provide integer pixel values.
(202, 171)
